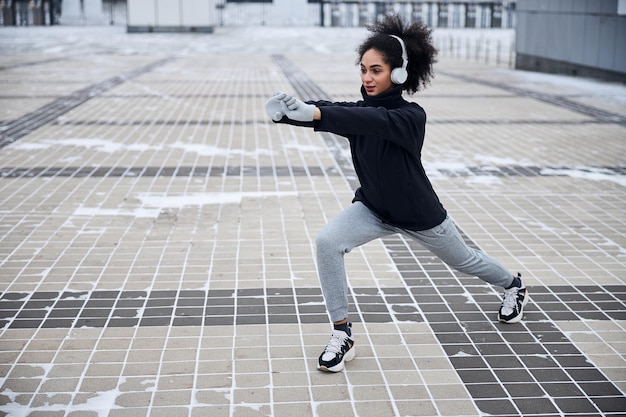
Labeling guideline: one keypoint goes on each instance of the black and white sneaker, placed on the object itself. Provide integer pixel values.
(339, 350)
(515, 298)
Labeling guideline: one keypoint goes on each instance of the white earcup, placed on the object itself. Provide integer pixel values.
(399, 75)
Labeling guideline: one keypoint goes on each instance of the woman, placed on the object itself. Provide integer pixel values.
(386, 134)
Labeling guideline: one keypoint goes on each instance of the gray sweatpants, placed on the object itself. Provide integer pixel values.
(357, 225)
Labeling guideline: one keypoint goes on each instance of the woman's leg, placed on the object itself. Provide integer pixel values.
(353, 227)
(445, 241)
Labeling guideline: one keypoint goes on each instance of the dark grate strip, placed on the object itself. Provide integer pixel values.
(22, 126)
(280, 171)
(304, 86)
(432, 295)
(147, 122)
(160, 171)
(194, 307)
(31, 63)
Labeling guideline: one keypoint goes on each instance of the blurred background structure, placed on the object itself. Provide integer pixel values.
(573, 37)
(171, 14)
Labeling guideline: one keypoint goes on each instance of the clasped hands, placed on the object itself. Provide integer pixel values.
(282, 104)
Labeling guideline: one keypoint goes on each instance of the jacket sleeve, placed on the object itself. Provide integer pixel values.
(403, 126)
(287, 121)
(325, 103)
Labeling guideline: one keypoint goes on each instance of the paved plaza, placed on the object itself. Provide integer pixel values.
(157, 235)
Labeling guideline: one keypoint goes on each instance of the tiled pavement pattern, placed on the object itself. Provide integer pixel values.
(157, 236)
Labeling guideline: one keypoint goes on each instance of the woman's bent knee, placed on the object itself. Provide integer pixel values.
(326, 243)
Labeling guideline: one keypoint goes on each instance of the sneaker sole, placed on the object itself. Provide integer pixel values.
(517, 318)
(351, 354)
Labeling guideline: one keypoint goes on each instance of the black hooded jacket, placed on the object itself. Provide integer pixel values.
(386, 134)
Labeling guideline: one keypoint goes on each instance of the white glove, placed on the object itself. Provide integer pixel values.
(273, 106)
(297, 109)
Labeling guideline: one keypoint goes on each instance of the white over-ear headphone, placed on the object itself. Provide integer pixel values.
(399, 75)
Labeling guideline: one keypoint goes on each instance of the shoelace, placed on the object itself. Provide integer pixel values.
(510, 298)
(335, 343)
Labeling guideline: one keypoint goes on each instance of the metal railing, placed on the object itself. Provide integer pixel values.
(444, 14)
(28, 13)
(50, 12)
(492, 47)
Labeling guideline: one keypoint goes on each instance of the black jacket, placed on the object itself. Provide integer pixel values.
(386, 134)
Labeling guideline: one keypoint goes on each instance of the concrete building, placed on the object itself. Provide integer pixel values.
(575, 37)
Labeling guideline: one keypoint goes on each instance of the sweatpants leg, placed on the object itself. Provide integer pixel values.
(351, 228)
(446, 243)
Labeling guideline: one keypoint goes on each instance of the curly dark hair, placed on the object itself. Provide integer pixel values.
(419, 45)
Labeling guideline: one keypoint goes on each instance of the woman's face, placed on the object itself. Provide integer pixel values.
(375, 73)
